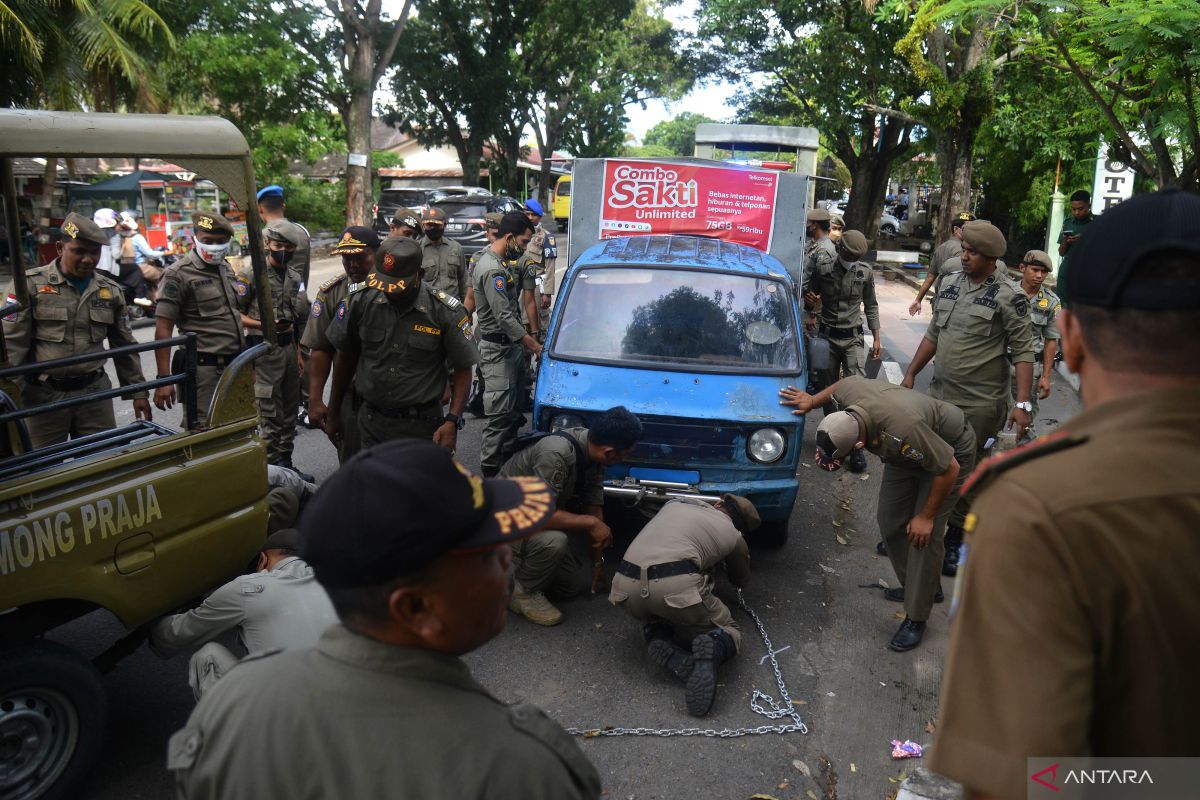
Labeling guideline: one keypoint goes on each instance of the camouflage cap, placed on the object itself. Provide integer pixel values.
(818, 215)
(397, 263)
(280, 230)
(492, 220)
(354, 240)
(1038, 258)
(77, 226)
(211, 222)
(853, 245)
(406, 218)
(984, 238)
(837, 220)
(433, 216)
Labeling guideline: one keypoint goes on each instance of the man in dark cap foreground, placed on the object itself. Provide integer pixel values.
(382, 706)
(1076, 610)
(666, 580)
(927, 449)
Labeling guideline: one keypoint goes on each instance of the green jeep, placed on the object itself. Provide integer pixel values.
(136, 520)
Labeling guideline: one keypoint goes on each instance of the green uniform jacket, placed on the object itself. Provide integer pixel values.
(61, 321)
(445, 266)
(403, 352)
(356, 718)
(974, 327)
(331, 295)
(497, 298)
(905, 428)
(1043, 311)
(846, 291)
(201, 299)
(822, 253)
(288, 298)
(553, 460)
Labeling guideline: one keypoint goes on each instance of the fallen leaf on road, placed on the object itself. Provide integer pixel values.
(827, 569)
(881, 683)
(806, 466)
(846, 506)
(865, 478)
(783, 785)
(899, 615)
(810, 794)
(930, 727)
(841, 539)
(802, 768)
(853, 767)
(837, 524)
(830, 694)
(884, 583)
(799, 702)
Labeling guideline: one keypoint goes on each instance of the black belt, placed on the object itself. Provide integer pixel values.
(73, 382)
(284, 339)
(214, 359)
(668, 570)
(408, 412)
(844, 333)
(496, 338)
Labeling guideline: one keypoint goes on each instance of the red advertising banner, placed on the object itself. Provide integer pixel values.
(646, 197)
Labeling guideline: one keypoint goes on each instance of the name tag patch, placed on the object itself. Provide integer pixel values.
(427, 329)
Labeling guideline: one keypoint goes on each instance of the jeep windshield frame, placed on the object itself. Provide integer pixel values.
(762, 302)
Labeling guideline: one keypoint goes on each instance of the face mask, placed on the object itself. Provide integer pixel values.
(281, 257)
(211, 253)
(434, 233)
(512, 249)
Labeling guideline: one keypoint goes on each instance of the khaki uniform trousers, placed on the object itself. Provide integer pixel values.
(206, 387)
(69, 423)
(687, 602)
(902, 493)
(544, 563)
(849, 356)
(986, 420)
(351, 439)
(277, 392)
(504, 385)
(207, 666)
(375, 426)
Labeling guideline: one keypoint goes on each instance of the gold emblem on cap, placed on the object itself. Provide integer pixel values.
(389, 261)
(205, 222)
(70, 229)
(476, 485)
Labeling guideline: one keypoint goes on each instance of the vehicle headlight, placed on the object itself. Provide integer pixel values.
(766, 445)
(561, 421)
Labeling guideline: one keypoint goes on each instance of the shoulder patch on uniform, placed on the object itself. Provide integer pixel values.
(1020, 304)
(500, 284)
(1042, 446)
(242, 287)
(317, 308)
(340, 313)
(329, 284)
(448, 299)
(912, 454)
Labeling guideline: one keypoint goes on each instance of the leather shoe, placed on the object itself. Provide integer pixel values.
(881, 547)
(897, 595)
(908, 637)
(950, 560)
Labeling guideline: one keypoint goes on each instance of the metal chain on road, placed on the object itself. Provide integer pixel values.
(761, 703)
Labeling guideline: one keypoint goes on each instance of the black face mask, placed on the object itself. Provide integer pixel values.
(434, 233)
(281, 257)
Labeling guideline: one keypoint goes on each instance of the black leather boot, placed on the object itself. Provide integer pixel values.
(709, 651)
(908, 637)
(954, 537)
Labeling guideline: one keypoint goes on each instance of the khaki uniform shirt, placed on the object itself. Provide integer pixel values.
(951, 249)
(61, 321)
(692, 530)
(279, 609)
(288, 298)
(403, 352)
(445, 266)
(497, 297)
(356, 718)
(1043, 311)
(330, 297)
(553, 460)
(905, 428)
(846, 291)
(201, 299)
(974, 327)
(822, 253)
(1077, 613)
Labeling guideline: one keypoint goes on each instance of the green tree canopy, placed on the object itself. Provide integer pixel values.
(678, 134)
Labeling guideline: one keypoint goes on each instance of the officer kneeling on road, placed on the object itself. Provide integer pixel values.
(572, 462)
(278, 606)
(383, 706)
(666, 579)
(928, 449)
(60, 293)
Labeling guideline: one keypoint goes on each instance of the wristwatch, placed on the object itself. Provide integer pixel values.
(1025, 406)
(458, 421)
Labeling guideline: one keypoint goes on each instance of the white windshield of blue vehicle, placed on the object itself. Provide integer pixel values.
(710, 321)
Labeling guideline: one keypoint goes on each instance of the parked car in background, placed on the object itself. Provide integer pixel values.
(392, 199)
(464, 217)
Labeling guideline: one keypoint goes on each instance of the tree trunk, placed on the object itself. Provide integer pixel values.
(358, 136)
(49, 182)
(955, 151)
(868, 185)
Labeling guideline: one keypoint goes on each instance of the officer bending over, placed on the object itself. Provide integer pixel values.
(572, 462)
(383, 706)
(666, 579)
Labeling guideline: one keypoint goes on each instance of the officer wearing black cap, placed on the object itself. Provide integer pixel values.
(384, 706)
(442, 261)
(394, 335)
(405, 222)
(277, 374)
(1068, 601)
(197, 293)
(357, 247)
(62, 293)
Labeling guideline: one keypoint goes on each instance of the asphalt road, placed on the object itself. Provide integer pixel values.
(829, 633)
